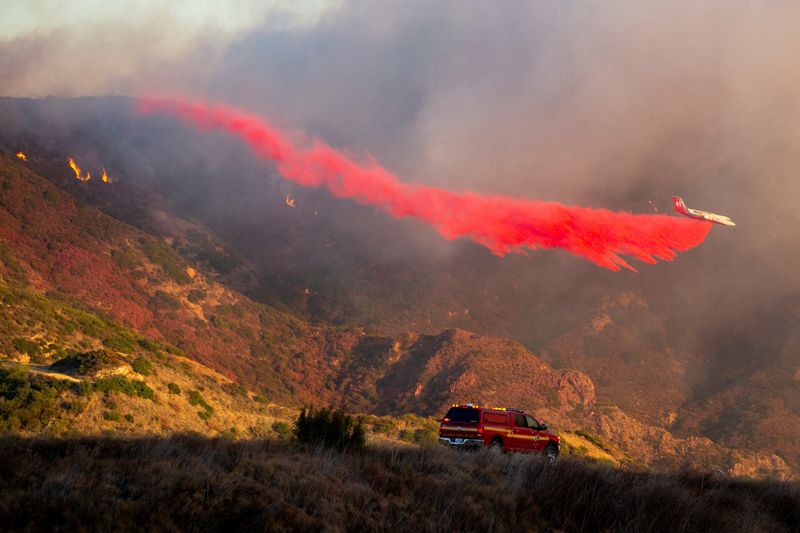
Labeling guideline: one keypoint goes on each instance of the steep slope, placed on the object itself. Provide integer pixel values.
(95, 262)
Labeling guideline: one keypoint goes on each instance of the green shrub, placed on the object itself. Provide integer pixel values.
(125, 386)
(195, 398)
(283, 429)
(234, 389)
(84, 388)
(149, 345)
(406, 435)
(129, 418)
(196, 296)
(383, 425)
(331, 428)
(26, 402)
(112, 416)
(163, 301)
(26, 346)
(161, 254)
(597, 441)
(120, 344)
(86, 363)
(143, 366)
(173, 388)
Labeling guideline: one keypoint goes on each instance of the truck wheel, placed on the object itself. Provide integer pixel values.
(496, 446)
(551, 452)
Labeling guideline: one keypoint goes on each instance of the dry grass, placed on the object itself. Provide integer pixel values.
(197, 483)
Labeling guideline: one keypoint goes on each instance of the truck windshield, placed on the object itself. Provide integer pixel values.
(462, 415)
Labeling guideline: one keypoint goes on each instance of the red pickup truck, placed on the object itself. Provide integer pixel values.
(501, 429)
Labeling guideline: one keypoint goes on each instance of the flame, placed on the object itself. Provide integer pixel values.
(77, 170)
(105, 177)
(22, 156)
(291, 202)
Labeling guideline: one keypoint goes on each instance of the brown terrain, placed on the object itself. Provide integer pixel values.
(279, 305)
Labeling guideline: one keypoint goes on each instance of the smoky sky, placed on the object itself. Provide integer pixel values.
(615, 104)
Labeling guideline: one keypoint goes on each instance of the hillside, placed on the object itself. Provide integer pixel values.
(86, 282)
(217, 485)
(693, 347)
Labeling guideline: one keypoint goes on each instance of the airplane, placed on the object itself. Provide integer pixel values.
(681, 208)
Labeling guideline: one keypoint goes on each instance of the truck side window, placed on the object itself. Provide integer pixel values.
(519, 421)
(532, 422)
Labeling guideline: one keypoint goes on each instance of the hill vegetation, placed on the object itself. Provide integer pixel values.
(218, 485)
(124, 314)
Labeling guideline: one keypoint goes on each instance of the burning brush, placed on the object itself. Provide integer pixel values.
(86, 177)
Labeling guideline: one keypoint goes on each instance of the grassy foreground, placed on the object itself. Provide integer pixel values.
(197, 483)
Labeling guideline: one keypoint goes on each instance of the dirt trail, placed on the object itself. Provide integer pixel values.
(41, 369)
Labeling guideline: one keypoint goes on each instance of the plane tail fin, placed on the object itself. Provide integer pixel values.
(680, 207)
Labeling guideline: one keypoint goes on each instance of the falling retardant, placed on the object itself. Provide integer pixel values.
(502, 224)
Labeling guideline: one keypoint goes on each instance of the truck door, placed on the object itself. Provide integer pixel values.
(538, 442)
(522, 435)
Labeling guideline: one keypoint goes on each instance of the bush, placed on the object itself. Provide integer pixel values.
(86, 363)
(195, 398)
(125, 386)
(331, 428)
(27, 403)
(160, 253)
(26, 346)
(112, 416)
(283, 429)
(173, 388)
(120, 344)
(234, 389)
(143, 366)
(196, 296)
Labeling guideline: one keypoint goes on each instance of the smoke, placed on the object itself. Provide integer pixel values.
(501, 224)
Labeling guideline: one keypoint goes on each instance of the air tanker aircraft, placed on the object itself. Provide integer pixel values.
(681, 208)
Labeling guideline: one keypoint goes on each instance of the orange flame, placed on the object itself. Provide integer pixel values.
(105, 177)
(77, 170)
(291, 202)
(22, 156)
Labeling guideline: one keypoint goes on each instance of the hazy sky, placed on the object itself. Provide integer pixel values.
(583, 102)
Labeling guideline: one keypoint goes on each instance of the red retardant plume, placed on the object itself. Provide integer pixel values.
(500, 223)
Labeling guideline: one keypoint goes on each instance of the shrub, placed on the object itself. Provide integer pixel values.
(163, 301)
(195, 398)
(196, 296)
(112, 416)
(129, 418)
(597, 441)
(234, 389)
(120, 344)
(26, 346)
(27, 403)
(173, 388)
(86, 363)
(125, 386)
(143, 366)
(331, 428)
(283, 429)
(84, 388)
(161, 254)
